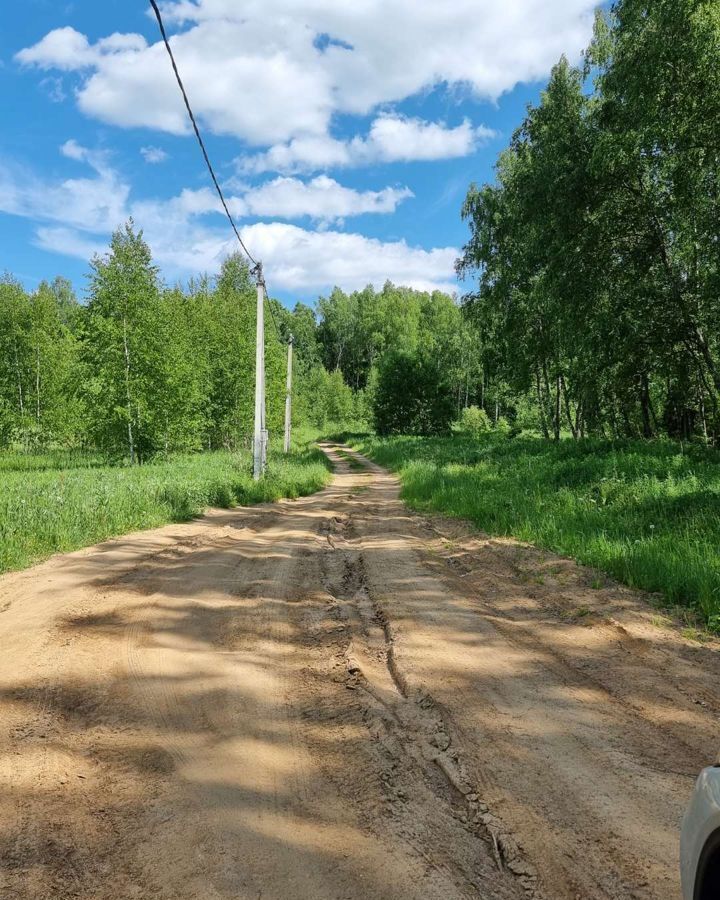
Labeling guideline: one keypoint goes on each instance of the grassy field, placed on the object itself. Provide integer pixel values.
(647, 513)
(59, 501)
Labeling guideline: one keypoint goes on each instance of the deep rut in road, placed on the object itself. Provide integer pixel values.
(409, 728)
(337, 698)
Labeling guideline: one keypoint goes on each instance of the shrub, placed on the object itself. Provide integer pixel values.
(412, 395)
(474, 421)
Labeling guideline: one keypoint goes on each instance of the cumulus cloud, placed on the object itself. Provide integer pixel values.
(392, 138)
(68, 242)
(299, 259)
(274, 71)
(294, 258)
(153, 155)
(188, 235)
(322, 198)
(64, 48)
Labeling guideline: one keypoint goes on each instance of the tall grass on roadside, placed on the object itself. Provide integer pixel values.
(647, 513)
(58, 502)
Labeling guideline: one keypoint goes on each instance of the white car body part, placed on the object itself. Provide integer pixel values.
(700, 839)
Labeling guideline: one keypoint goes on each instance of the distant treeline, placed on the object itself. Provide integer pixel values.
(598, 247)
(140, 368)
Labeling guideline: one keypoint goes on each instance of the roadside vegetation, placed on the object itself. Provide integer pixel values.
(646, 513)
(55, 502)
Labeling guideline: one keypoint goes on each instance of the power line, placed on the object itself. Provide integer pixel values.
(197, 132)
(249, 255)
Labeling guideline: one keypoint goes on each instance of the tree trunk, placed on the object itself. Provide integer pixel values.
(541, 405)
(645, 406)
(707, 356)
(566, 404)
(37, 384)
(580, 420)
(613, 416)
(702, 417)
(131, 441)
(19, 380)
(679, 296)
(629, 430)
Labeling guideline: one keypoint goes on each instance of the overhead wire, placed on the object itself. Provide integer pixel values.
(158, 16)
(256, 265)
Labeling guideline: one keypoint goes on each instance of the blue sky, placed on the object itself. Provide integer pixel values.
(345, 134)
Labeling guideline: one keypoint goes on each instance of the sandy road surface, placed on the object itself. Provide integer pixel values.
(335, 698)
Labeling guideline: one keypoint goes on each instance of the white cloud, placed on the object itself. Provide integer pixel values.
(257, 71)
(392, 138)
(297, 259)
(131, 84)
(54, 89)
(101, 202)
(294, 258)
(153, 155)
(74, 213)
(322, 198)
(302, 154)
(73, 150)
(63, 48)
(68, 242)
(95, 204)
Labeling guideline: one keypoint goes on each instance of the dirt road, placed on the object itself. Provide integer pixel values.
(337, 699)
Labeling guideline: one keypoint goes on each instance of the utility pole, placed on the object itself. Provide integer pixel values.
(260, 435)
(288, 396)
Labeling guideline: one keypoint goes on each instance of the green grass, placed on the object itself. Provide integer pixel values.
(354, 464)
(59, 501)
(647, 513)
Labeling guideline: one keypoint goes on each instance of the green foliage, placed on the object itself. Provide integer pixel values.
(144, 370)
(141, 369)
(355, 331)
(325, 400)
(647, 513)
(124, 348)
(595, 313)
(62, 501)
(412, 395)
(596, 248)
(474, 421)
(40, 372)
(502, 426)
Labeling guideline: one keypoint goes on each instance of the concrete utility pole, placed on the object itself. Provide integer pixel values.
(260, 435)
(288, 396)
